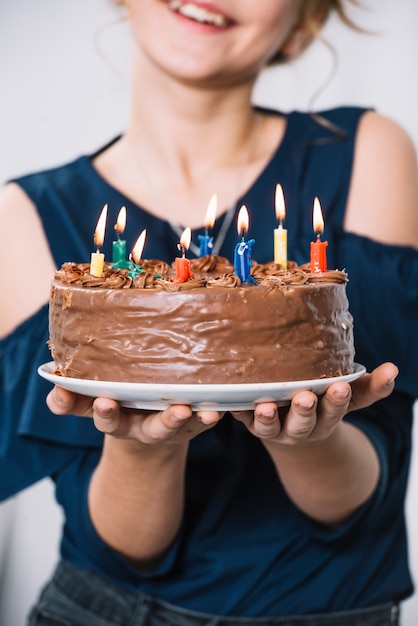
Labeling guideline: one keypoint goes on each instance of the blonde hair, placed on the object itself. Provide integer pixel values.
(313, 15)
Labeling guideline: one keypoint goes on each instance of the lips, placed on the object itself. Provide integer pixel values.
(199, 13)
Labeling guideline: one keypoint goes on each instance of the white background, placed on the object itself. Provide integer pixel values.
(64, 91)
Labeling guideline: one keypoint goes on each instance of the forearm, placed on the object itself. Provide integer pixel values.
(328, 479)
(145, 485)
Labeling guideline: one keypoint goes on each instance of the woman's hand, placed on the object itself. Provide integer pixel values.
(328, 466)
(309, 418)
(177, 424)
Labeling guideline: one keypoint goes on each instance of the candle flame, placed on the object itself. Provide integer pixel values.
(186, 238)
(243, 220)
(121, 221)
(280, 203)
(100, 228)
(138, 247)
(318, 220)
(211, 211)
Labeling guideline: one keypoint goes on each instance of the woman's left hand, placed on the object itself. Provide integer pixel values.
(309, 418)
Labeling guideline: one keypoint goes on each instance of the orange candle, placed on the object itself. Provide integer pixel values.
(97, 258)
(318, 247)
(183, 272)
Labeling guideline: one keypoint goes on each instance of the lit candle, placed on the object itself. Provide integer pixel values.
(318, 247)
(119, 246)
(242, 252)
(206, 242)
(280, 233)
(97, 258)
(136, 254)
(182, 264)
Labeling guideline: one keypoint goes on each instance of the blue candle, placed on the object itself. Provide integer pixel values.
(206, 242)
(242, 252)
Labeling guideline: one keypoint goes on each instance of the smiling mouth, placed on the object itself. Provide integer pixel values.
(198, 13)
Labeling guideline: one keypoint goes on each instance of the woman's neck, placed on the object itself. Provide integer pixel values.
(184, 143)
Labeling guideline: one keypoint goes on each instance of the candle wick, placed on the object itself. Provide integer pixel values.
(318, 235)
(182, 250)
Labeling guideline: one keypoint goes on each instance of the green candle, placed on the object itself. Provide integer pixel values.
(119, 259)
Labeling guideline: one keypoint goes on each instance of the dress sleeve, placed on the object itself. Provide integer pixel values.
(34, 443)
(383, 297)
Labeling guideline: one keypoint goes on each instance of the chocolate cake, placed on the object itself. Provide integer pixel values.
(288, 325)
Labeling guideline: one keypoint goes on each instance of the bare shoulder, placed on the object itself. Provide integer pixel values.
(383, 198)
(24, 246)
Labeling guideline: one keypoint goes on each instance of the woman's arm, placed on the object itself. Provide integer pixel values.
(328, 466)
(136, 494)
(24, 254)
(383, 199)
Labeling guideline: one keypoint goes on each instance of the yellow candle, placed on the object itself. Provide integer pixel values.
(97, 258)
(96, 264)
(280, 233)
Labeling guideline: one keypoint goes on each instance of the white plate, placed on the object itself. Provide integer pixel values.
(219, 397)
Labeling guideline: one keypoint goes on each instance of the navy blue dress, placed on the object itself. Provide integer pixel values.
(244, 549)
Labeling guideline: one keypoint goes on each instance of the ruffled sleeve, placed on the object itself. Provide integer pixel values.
(34, 443)
(383, 296)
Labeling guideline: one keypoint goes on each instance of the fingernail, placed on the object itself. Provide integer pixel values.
(390, 382)
(57, 396)
(179, 418)
(306, 405)
(104, 411)
(342, 395)
(268, 416)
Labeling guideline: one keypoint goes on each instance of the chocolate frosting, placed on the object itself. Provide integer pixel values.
(291, 325)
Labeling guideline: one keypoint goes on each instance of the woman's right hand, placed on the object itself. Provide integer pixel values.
(176, 425)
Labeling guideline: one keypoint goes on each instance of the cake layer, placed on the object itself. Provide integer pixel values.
(269, 332)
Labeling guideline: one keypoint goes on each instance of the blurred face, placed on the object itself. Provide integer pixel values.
(215, 42)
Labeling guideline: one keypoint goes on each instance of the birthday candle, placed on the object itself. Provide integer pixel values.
(136, 254)
(318, 247)
(119, 245)
(206, 242)
(182, 264)
(280, 233)
(242, 252)
(97, 258)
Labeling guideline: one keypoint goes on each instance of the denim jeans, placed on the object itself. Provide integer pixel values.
(76, 597)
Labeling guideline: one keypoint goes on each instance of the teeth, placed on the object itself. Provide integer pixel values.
(200, 14)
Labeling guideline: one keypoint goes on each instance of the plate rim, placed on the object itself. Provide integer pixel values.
(160, 401)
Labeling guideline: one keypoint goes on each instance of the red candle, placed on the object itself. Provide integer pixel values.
(318, 247)
(182, 264)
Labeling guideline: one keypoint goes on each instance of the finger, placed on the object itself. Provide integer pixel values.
(107, 415)
(209, 418)
(332, 407)
(62, 402)
(301, 417)
(147, 427)
(266, 420)
(373, 386)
